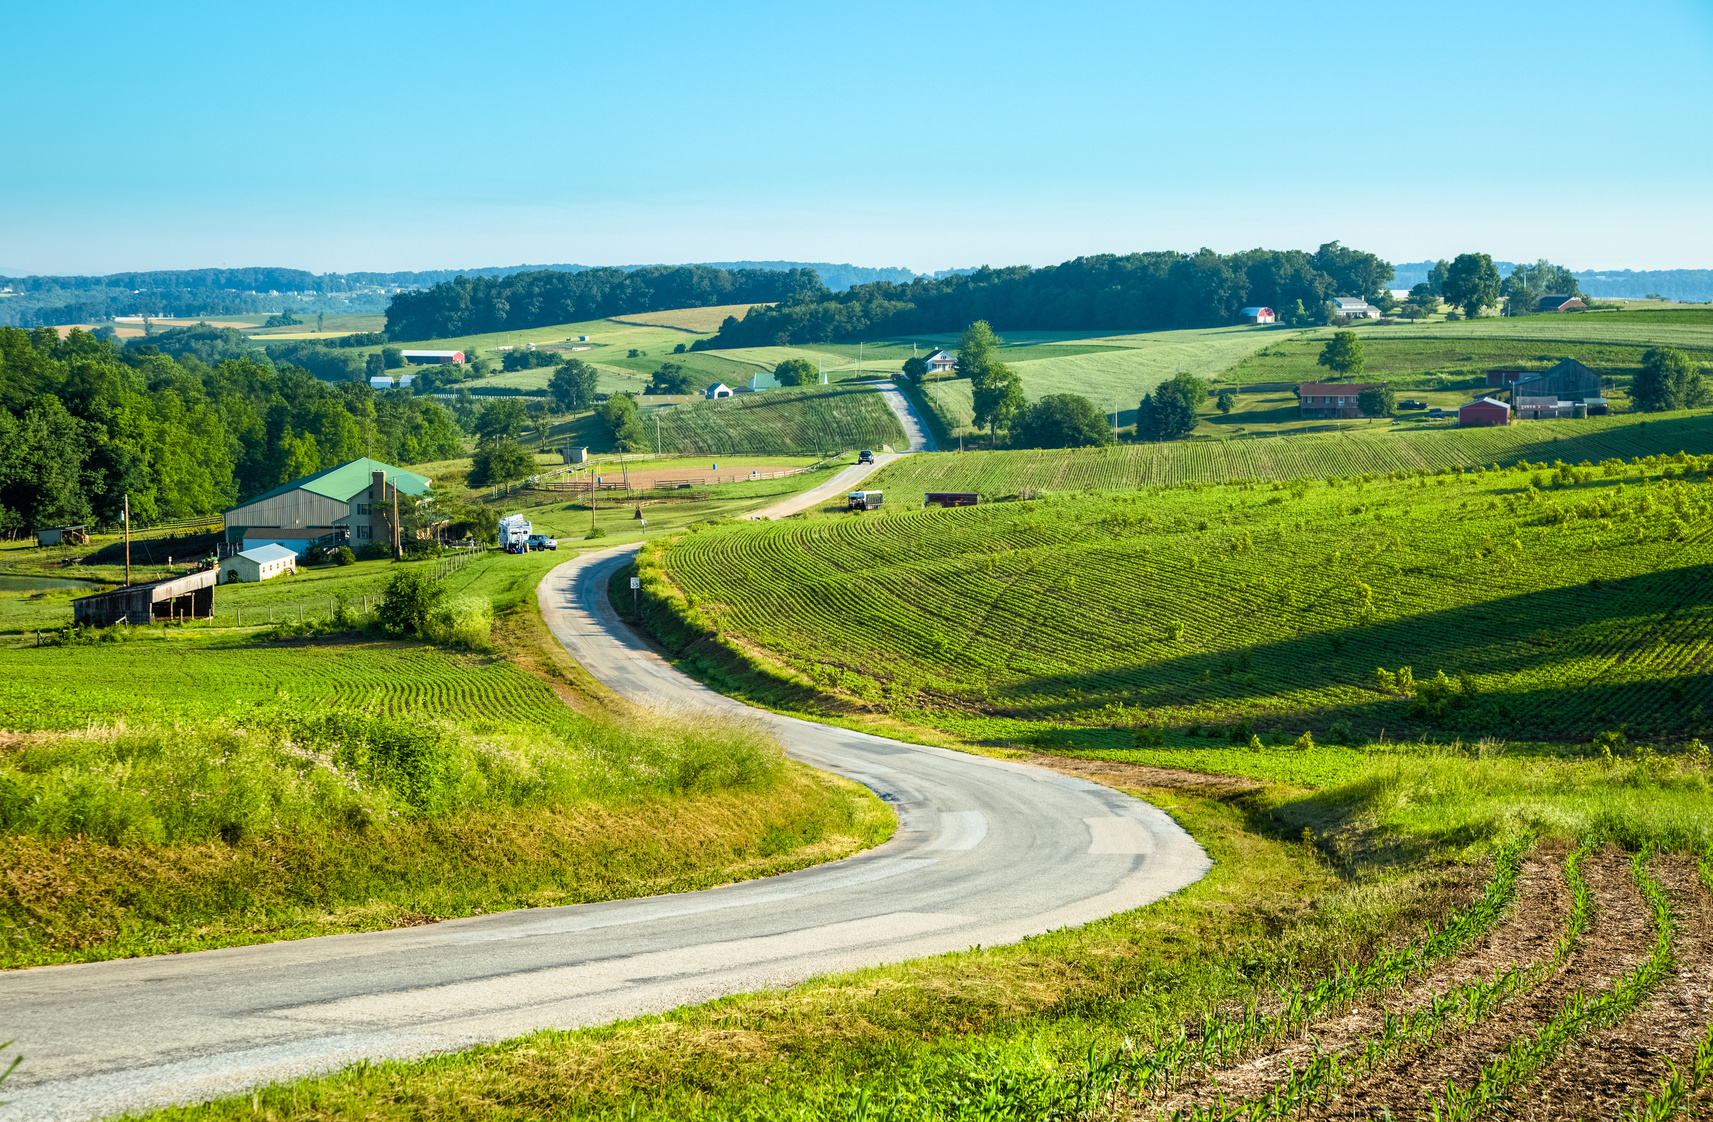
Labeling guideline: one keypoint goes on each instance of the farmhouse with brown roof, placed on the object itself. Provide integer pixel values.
(1332, 401)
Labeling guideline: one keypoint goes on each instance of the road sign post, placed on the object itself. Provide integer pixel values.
(636, 595)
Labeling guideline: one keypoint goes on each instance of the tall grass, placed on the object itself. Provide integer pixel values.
(1451, 798)
(287, 769)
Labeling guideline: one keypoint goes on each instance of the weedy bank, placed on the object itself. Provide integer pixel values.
(1341, 942)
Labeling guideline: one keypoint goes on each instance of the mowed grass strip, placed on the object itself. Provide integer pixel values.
(1558, 605)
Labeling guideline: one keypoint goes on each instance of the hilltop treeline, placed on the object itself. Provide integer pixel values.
(475, 305)
(83, 422)
(1135, 292)
(182, 293)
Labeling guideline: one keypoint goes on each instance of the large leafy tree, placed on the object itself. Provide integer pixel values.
(1061, 420)
(500, 461)
(976, 347)
(1472, 283)
(1668, 379)
(573, 386)
(624, 427)
(796, 372)
(1343, 354)
(1354, 273)
(1377, 401)
(502, 419)
(998, 398)
(671, 378)
(1173, 409)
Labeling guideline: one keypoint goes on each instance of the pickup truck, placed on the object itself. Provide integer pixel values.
(538, 542)
(865, 457)
(1411, 403)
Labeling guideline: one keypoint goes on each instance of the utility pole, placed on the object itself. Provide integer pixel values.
(126, 518)
(395, 520)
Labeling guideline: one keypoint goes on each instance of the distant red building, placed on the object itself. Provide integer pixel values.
(1483, 413)
(1259, 315)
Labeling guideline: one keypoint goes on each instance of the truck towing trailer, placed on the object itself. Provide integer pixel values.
(864, 500)
(514, 533)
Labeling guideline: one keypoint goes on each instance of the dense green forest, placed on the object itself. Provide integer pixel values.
(84, 421)
(474, 305)
(1135, 292)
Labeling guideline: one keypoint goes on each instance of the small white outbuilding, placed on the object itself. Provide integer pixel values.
(256, 564)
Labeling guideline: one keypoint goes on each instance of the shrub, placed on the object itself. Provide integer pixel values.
(374, 551)
(418, 548)
(410, 602)
(345, 556)
(597, 532)
(466, 622)
(1150, 736)
(1305, 742)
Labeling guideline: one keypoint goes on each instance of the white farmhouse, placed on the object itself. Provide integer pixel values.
(1355, 307)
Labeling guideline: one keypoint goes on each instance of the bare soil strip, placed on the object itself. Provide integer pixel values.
(1525, 937)
(1614, 1068)
(1620, 937)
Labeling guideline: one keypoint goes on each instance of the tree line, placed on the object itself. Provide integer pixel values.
(1135, 292)
(83, 422)
(477, 305)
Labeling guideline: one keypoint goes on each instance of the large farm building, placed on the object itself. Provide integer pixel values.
(349, 504)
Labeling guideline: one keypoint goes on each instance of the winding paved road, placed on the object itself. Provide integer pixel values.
(986, 852)
(915, 429)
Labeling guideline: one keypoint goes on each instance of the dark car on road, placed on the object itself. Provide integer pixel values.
(865, 457)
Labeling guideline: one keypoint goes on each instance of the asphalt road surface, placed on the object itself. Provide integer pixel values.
(846, 481)
(986, 852)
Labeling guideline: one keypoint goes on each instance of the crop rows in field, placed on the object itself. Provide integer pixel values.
(1560, 612)
(148, 680)
(1538, 1017)
(996, 474)
(814, 419)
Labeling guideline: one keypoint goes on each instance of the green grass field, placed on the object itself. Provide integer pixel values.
(1570, 603)
(1364, 449)
(832, 418)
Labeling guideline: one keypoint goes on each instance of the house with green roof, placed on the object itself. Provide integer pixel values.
(351, 504)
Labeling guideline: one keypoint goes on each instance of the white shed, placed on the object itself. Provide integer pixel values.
(261, 563)
(381, 382)
(718, 389)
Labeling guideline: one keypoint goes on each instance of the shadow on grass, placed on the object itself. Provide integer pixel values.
(1540, 634)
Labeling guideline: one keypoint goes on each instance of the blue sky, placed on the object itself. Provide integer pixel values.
(433, 135)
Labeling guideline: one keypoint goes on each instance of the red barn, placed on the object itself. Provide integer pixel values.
(1259, 315)
(1482, 413)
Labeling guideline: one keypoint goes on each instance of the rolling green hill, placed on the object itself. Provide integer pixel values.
(1361, 450)
(830, 418)
(1559, 604)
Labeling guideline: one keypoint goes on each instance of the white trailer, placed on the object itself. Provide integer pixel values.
(514, 533)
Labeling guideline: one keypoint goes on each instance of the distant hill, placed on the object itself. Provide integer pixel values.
(183, 293)
(1689, 285)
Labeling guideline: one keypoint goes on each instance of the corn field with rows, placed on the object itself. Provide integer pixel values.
(1540, 603)
(1000, 474)
(785, 421)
